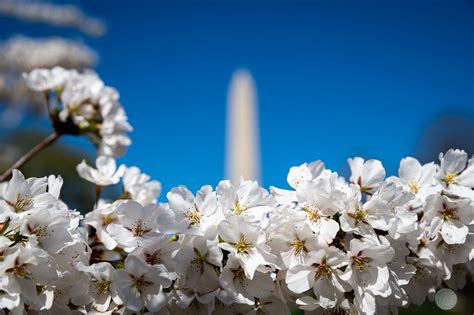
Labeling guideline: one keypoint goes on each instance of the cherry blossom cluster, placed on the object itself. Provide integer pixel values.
(81, 104)
(366, 245)
(40, 243)
(21, 54)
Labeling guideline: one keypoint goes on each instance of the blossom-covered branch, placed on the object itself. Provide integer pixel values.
(369, 244)
(79, 104)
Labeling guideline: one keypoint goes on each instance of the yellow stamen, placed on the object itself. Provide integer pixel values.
(40, 231)
(323, 269)
(242, 245)
(360, 262)
(21, 204)
(22, 272)
(108, 219)
(193, 215)
(140, 283)
(139, 228)
(413, 187)
(102, 286)
(450, 178)
(313, 214)
(298, 246)
(239, 208)
(359, 215)
(449, 213)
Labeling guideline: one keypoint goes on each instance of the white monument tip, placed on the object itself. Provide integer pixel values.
(242, 152)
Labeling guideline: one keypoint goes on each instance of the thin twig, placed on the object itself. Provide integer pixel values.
(27, 156)
(98, 190)
(48, 104)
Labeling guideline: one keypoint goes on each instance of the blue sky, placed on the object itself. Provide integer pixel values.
(335, 79)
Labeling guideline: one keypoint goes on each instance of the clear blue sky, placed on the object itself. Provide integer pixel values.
(335, 79)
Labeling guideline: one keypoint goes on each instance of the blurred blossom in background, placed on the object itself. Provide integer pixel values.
(334, 79)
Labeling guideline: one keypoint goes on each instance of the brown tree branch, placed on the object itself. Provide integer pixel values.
(27, 156)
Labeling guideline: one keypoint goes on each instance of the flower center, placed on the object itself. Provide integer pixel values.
(21, 272)
(312, 214)
(193, 215)
(450, 178)
(21, 204)
(298, 181)
(152, 258)
(239, 208)
(359, 215)
(40, 231)
(362, 188)
(108, 219)
(449, 213)
(360, 262)
(199, 259)
(298, 246)
(242, 245)
(413, 186)
(139, 228)
(322, 269)
(140, 283)
(102, 286)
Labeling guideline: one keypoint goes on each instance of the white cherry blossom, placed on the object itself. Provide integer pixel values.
(188, 214)
(102, 289)
(321, 274)
(416, 178)
(297, 175)
(99, 219)
(44, 79)
(24, 196)
(242, 289)
(246, 243)
(136, 225)
(455, 169)
(363, 218)
(368, 175)
(138, 186)
(247, 200)
(293, 243)
(106, 171)
(48, 227)
(140, 286)
(320, 201)
(449, 217)
(197, 262)
(367, 272)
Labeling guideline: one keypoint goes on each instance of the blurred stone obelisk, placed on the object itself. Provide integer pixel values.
(242, 152)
